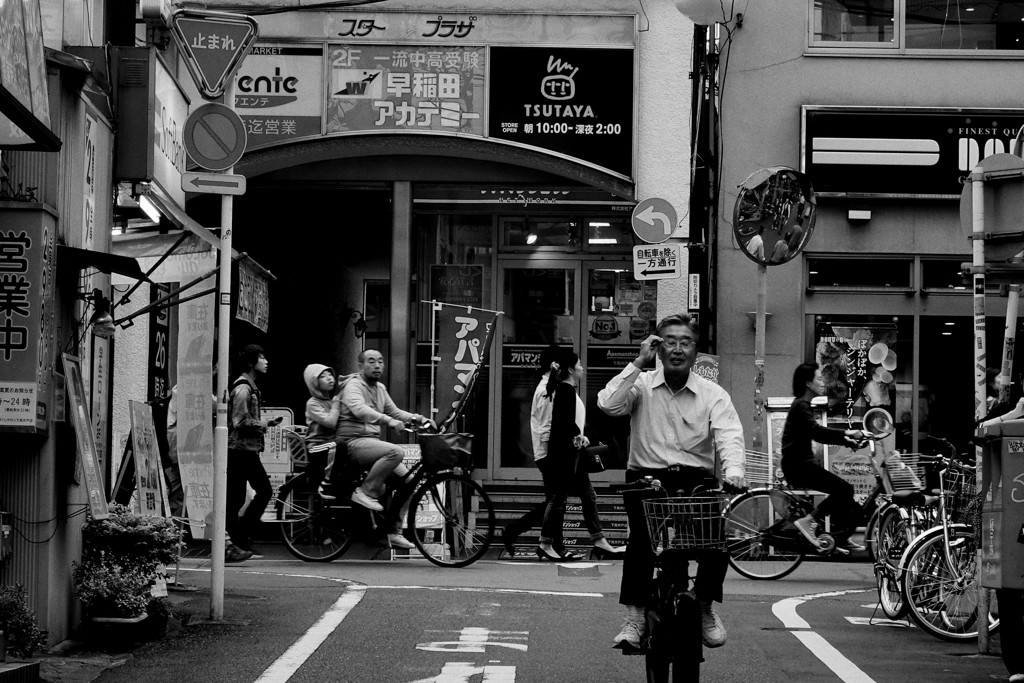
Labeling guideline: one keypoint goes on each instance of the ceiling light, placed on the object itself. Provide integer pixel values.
(949, 323)
(149, 208)
(594, 224)
(531, 238)
(603, 240)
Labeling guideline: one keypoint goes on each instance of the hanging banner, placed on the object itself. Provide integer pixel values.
(87, 455)
(253, 297)
(193, 402)
(147, 460)
(464, 334)
(858, 362)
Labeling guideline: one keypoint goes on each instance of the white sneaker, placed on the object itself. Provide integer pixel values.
(400, 541)
(808, 526)
(711, 626)
(360, 497)
(631, 634)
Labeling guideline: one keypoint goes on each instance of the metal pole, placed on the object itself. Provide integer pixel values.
(980, 394)
(220, 434)
(757, 442)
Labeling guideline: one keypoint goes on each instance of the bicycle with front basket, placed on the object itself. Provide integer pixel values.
(680, 528)
(450, 517)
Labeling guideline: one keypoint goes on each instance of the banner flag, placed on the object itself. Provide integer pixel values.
(464, 335)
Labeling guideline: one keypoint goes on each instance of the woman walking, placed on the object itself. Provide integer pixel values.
(559, 467)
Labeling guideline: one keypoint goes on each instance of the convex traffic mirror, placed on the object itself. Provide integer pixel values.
(774, 215)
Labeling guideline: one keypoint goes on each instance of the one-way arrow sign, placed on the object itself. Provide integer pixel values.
(657, 261)
(213, 183)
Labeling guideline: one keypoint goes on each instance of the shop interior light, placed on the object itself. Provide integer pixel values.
(531, 238)
(596, 224)
(149, 208)
(603, 240)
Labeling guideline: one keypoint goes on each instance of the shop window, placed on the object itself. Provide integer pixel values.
(944, 275)
(855, 274)
(566, 234)
(853, 21)
(518, 232)
(914, 26)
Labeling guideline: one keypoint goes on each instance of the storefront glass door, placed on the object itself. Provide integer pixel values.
(594, 307)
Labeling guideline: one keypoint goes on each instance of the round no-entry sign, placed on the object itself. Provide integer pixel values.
(214, 137)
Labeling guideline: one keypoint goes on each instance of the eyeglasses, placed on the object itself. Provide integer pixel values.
(678, 344)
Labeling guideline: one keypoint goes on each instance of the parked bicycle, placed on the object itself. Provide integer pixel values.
(680, 528)
(450, 517)
(939, 569)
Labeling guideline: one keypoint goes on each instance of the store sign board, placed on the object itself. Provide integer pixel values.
(253, 297)
(452, 28)
(901, 152)
(404, 88)
(573, 101)
(279, 93)
(170, 110)
(27, 243)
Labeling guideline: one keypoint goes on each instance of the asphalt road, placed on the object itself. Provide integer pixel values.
(408, 621)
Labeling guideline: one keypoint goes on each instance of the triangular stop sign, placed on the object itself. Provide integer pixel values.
(213, 44)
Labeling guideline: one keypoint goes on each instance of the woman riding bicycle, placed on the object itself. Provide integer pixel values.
(802, 471)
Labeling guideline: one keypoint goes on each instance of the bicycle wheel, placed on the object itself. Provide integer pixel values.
(681, 672)
(943, 600)
(452, 520)
(755, 551)
(310, 530)
(891, 542)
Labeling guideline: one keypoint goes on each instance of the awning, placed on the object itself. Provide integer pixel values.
(24, 103)
(73, 257)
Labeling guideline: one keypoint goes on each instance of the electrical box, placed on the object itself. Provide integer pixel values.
(6, 543)
(1002, 512)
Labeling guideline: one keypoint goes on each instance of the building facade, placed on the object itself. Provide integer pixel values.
(886, 107)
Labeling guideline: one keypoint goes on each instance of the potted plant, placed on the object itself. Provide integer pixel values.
(120, 555)
(19, 633)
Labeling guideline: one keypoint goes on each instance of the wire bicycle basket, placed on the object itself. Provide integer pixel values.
(686, 523)
(905, 471)
(960, 496)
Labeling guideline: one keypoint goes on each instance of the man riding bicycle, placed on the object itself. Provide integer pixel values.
(678, 421)
(365, 406)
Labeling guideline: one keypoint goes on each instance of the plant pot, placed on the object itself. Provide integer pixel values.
(119, 620)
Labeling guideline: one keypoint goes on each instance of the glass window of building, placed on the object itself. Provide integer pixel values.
(874, 273)
(919, 25)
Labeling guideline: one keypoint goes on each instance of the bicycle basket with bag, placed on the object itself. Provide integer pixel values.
(446, 450)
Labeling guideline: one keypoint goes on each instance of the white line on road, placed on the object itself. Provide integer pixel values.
(842, 667)
(295, 656)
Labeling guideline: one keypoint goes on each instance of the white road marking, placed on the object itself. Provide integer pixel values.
(463, 672)
(785, 610)
(871, 621)
(295, 656)
(476, 639)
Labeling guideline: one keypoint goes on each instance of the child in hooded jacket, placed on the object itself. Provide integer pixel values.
(322, 410)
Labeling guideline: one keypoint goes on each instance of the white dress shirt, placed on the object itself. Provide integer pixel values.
(681, 428)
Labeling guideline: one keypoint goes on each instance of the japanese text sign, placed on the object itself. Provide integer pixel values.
(406, 88)
(657, 262)
(463, 337)
(213, 44)
(148, 472)
(26, 320)
(279, 93)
